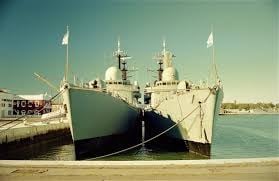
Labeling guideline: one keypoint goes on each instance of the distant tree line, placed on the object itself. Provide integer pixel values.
(249, 106)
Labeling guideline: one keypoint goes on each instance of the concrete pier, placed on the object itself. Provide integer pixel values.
(223, 169)
(31, 131)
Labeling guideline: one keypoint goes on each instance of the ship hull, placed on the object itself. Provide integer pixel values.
(194, 133)
(100, 123)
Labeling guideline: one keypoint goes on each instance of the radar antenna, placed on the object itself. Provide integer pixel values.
(121, 57)
(160, 57)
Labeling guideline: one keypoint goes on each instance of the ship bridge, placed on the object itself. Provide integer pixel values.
(166, 83)
(118, 82)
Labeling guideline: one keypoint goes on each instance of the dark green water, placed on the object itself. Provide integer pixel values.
(235, 136)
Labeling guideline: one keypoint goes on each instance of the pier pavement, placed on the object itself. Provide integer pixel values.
(222, 169)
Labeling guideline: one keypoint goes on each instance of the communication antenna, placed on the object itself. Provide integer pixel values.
(121, 57)
(164, 45)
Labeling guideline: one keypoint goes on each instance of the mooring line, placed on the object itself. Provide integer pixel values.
(132, 147)
(156, 136)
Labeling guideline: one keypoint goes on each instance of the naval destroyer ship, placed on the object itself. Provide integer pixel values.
(190, 109)
(103, 114)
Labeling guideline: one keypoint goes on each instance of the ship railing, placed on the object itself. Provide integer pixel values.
(130, 89)
(151, 90)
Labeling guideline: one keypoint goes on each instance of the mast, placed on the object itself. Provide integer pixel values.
(215, 72)
(217, 78)
(164, 47)
(121, 57)
(124, 71)
(65, 41)
(119, 62)
(67, 57)
(160, 70)
(159, 57)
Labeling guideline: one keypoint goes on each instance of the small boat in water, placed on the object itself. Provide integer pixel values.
(103, 114)
(190, 109)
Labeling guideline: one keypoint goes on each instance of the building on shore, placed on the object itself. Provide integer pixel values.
(12, 105)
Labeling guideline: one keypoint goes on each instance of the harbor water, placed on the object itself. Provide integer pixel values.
(235, 136)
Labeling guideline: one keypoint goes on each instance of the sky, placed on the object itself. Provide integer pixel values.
(245, 38)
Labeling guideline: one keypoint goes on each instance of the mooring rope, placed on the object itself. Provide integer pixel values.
(146, 141)
(27, 114)
(156, 136)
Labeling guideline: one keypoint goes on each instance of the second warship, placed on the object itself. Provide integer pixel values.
(191, 109)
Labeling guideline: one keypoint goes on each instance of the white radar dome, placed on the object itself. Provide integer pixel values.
(113, 73)
(170, 74)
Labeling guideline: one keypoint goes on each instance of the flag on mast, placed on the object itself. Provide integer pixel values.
(65, 38)
(210, 40)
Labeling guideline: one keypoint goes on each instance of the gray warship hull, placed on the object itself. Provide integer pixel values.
(99, 122)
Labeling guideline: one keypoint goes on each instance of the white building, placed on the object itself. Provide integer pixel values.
(6, 103)
(12, 105)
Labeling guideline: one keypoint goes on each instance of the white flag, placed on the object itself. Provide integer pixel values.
(210, 40)
(65, 39)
